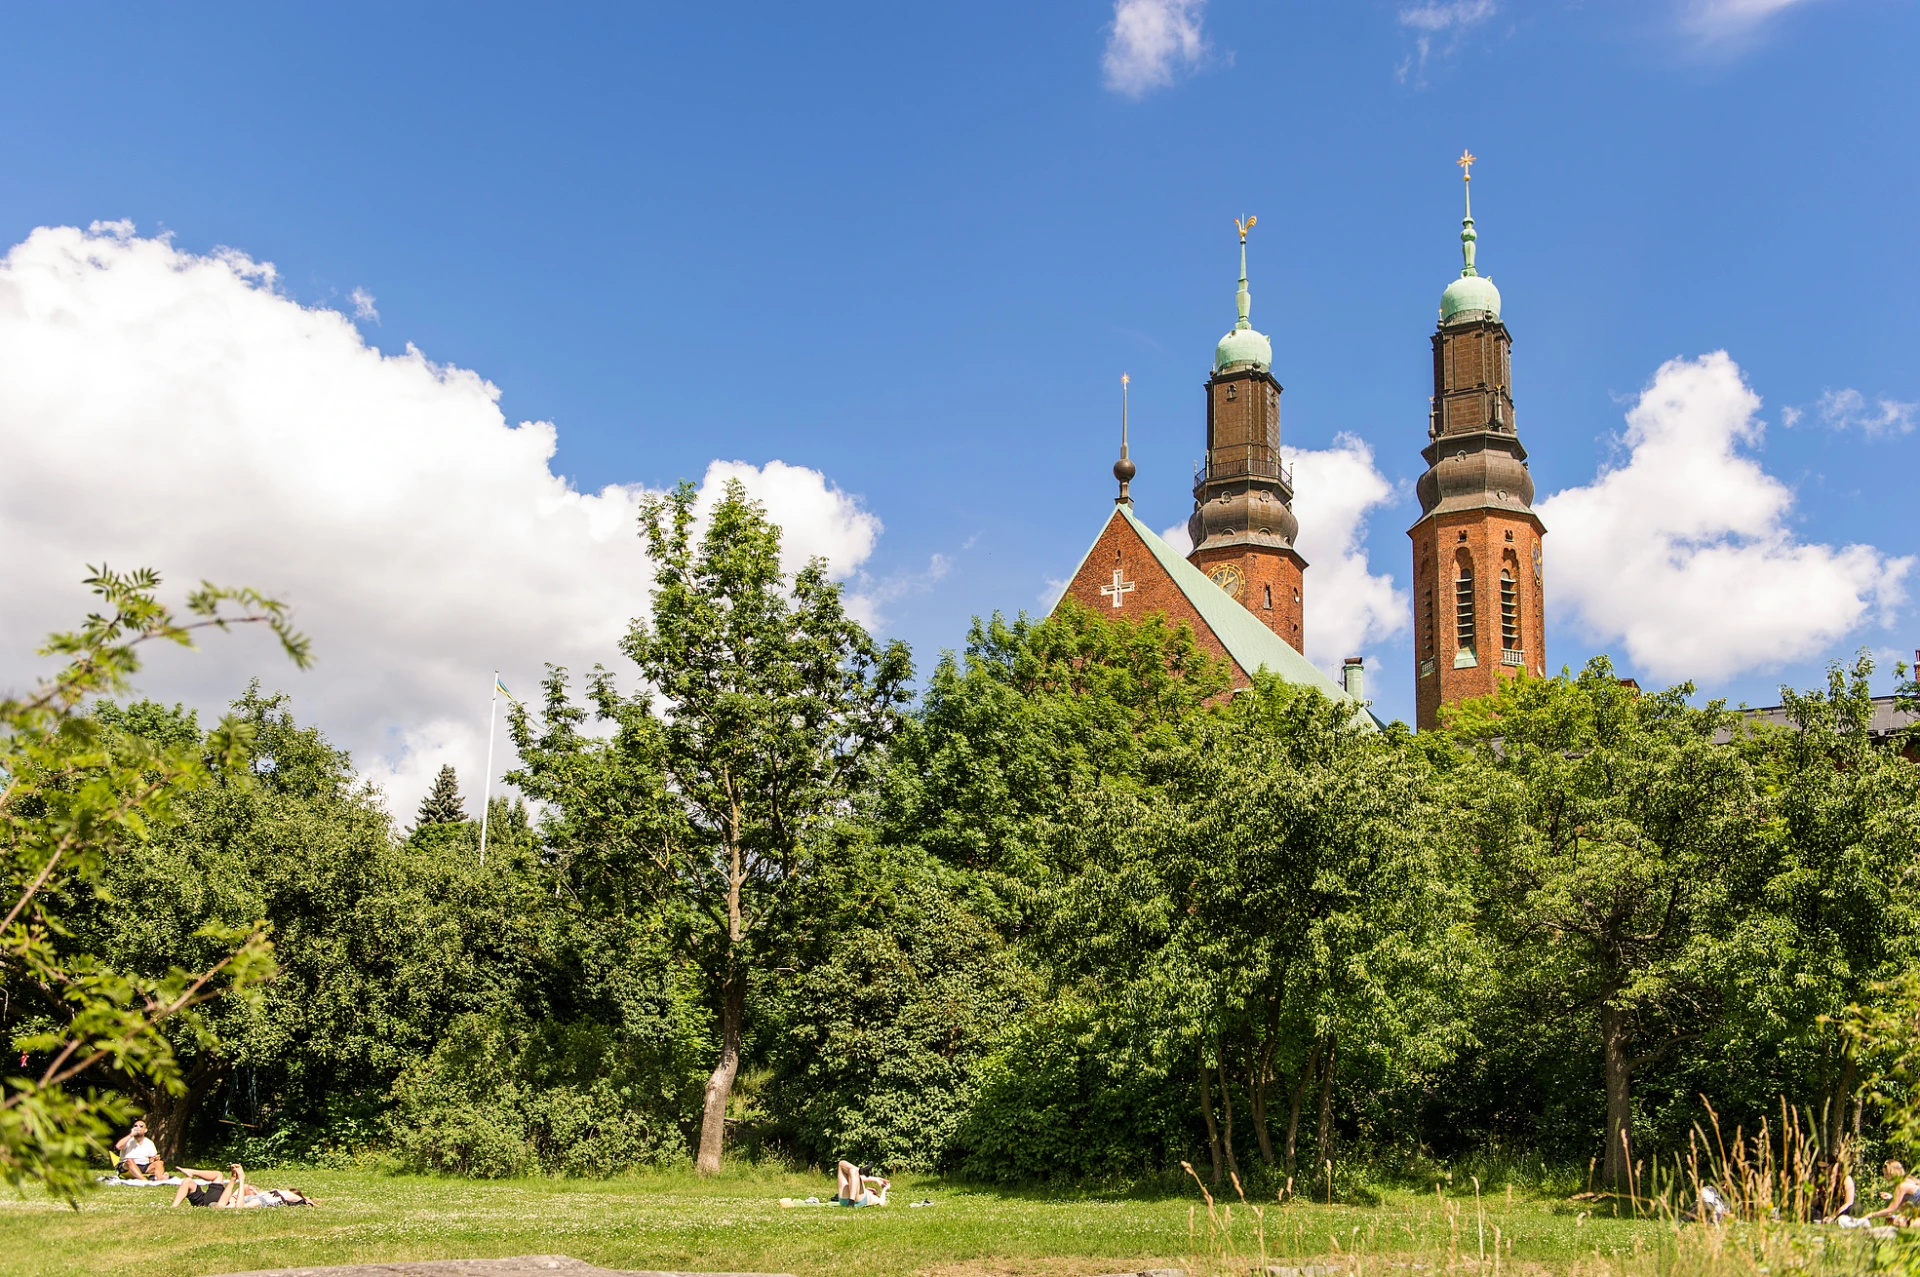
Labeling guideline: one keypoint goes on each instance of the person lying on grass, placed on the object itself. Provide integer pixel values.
(855, 1186)
(139, 1159)
(211, 1188)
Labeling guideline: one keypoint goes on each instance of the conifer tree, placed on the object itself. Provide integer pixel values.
(443, 806)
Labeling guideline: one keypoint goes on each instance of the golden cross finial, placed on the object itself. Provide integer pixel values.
(1245, 227)
(1124, 379)
(1466, 162)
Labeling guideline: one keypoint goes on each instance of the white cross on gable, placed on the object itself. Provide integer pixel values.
(1119, 587)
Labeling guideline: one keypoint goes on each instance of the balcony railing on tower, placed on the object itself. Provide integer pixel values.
(1249, 461)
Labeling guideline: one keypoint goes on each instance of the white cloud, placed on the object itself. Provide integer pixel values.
(1685, 553)
(1441, 17)
(1347, 606)
(159, 408)
(363, 307)
(1449, 18)
(1849, 410)
(1715, 20)
(1150, 41)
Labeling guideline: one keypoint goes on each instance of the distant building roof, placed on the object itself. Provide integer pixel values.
(1887, 718)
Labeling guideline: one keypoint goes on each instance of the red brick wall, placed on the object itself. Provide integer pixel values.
(1483, 535)
(1120, 548)
(1280, 572)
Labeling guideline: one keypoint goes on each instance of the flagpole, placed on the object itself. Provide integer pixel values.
(486, 790)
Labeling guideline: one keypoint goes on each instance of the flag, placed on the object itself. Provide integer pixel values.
(501, 688)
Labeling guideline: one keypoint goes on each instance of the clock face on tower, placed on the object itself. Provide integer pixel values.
(1230, 578)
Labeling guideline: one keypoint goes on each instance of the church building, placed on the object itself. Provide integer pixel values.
(1240, 588)
(1478, 596)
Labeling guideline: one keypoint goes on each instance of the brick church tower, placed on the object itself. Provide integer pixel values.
(1242, 526)
(1478, 596)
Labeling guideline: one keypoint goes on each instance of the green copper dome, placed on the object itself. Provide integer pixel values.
(1242, 345)
(1470, 294)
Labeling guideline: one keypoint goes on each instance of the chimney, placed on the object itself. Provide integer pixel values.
(1353, 677)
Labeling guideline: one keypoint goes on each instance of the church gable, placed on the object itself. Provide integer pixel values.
(1122, 577)
(1131, 572)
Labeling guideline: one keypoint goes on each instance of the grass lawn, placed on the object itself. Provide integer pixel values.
(673, 1220)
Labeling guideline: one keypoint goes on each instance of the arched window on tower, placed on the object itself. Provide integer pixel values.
(1463, 606)
(1509, 612)
(1268, 591)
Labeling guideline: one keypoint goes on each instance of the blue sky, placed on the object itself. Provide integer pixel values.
(912, 247)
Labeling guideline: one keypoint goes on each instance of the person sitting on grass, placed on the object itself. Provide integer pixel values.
(234, 1194)
(139, 1159)
(1905, 1198)
(1834, 1193)
(855, 1186)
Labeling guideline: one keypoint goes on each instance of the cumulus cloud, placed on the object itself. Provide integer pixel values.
(1150, 42)
(363, 307)
(1849, 410)
(1684, 552)
(164, 409)
(1439, 19)
(1347, 605)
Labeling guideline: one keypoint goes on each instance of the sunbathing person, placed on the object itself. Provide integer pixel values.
(139, 1159)
(199, 1188)
(856, 1187)
(235, 1193)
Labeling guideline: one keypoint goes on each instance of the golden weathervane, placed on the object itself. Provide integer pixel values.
(1245, 227)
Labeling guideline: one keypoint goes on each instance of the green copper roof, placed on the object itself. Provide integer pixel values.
(1242, 345)
(1252, 645)
(1470, 294)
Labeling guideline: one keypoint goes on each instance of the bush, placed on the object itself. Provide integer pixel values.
(492, 1102)
(1068, 1098)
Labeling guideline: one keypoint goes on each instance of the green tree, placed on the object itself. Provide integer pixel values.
(1838, 920)
(76, 794)
(1618, 847)
(760, 728)
(1277, 896)
(443, 806)
(897, 990)
(1032, 713)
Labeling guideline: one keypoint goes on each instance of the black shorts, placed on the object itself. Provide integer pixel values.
(207, 1196)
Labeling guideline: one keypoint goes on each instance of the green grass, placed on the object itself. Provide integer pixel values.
(672, 1220)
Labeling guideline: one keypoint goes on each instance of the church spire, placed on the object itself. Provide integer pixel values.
(1467, 235)
(1243, 300)
(1243, 344)
(1123, 469)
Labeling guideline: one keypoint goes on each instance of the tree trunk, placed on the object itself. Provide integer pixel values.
(1838, 1101)
(713, 1121)
(170, 1117)
(1619, 1079)
(1226, 1106)
(1206, 1111)
(1307, 1073)
(1326, 1102)
(1259, 1073)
